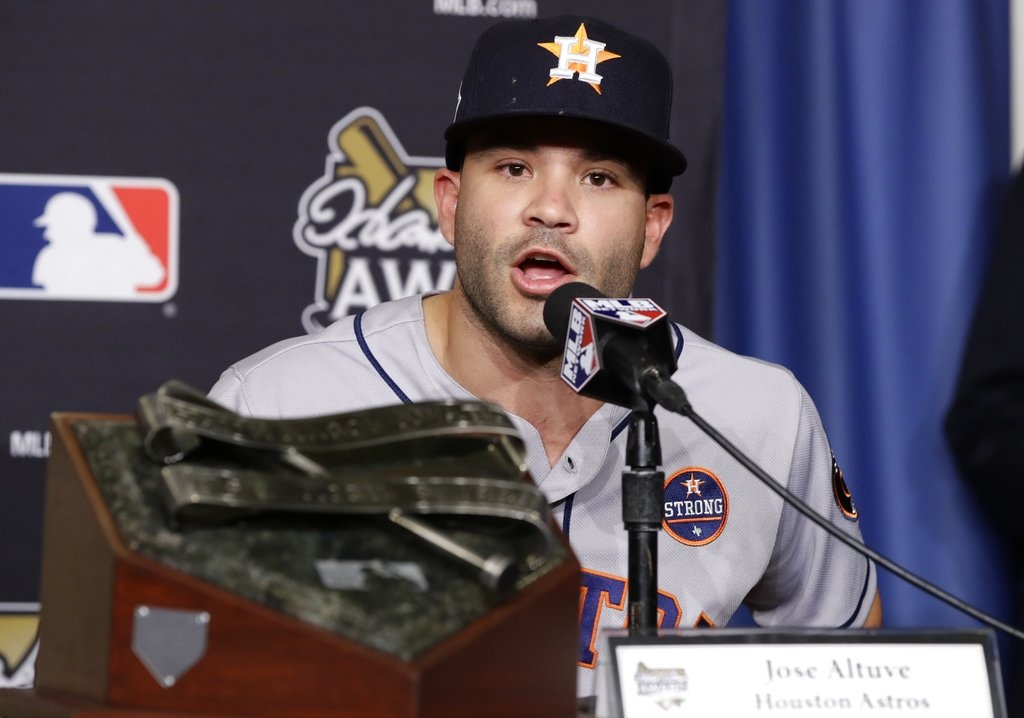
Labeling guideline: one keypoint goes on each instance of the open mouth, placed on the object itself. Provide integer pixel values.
(538, 267)
(539, 271)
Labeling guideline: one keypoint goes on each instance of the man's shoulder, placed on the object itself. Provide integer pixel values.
(303, 375)
(717, 377)
(340, 337)
(704, 353)
(295, 349)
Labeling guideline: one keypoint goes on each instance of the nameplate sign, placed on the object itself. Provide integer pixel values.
(784, 674)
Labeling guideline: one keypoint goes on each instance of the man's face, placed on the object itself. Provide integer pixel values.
(542, 205)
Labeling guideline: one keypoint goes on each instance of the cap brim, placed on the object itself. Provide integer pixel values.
(667, 161)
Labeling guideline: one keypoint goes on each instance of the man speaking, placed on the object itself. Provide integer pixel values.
(557, 170)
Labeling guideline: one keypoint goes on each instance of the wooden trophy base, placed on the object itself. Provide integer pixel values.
(516, 659)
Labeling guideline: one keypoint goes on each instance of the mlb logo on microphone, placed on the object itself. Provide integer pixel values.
(580, 360)
(82, 238)
(639, 313)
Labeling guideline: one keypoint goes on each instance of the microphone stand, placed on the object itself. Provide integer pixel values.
(643, 498)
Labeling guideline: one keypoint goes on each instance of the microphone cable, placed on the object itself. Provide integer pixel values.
(671, 396)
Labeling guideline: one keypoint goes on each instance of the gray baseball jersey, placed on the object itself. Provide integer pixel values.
(727, 539)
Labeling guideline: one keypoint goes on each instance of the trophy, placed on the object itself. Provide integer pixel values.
(395, 561)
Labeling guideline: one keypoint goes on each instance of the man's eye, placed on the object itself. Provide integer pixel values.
(515, 170)
(598, 179)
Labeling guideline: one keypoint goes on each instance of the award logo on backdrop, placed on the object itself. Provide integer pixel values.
(371, 222)
(19, 628)
(81, 238)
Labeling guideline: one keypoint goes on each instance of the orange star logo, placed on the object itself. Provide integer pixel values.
(577, 54)
(693, 485)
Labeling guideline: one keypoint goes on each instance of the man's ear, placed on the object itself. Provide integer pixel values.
(660, 208)
(446, 195)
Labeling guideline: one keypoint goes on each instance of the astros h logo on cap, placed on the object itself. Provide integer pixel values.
(578, 56)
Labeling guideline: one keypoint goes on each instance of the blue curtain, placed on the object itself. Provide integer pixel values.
(864, 146)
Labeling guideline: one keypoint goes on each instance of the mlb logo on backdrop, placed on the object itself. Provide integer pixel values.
(82, 238)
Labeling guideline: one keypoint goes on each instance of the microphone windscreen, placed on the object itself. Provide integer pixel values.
(556, 308)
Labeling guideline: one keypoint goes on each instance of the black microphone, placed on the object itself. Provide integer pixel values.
(620, 351)
(616, 350)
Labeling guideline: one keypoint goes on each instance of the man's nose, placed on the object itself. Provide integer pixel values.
(551, 205)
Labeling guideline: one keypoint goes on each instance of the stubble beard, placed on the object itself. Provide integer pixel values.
(483, 274)
(482, 269)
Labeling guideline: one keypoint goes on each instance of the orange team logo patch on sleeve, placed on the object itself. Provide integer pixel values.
(844, 499)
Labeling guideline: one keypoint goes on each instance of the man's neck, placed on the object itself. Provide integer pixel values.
(498, 371)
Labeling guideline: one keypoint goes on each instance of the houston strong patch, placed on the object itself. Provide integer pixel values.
(696, 506)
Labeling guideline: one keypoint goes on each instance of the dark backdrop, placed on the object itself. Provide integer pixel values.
(233, 102)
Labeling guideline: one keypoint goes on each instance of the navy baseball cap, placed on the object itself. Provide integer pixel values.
(575, 67)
